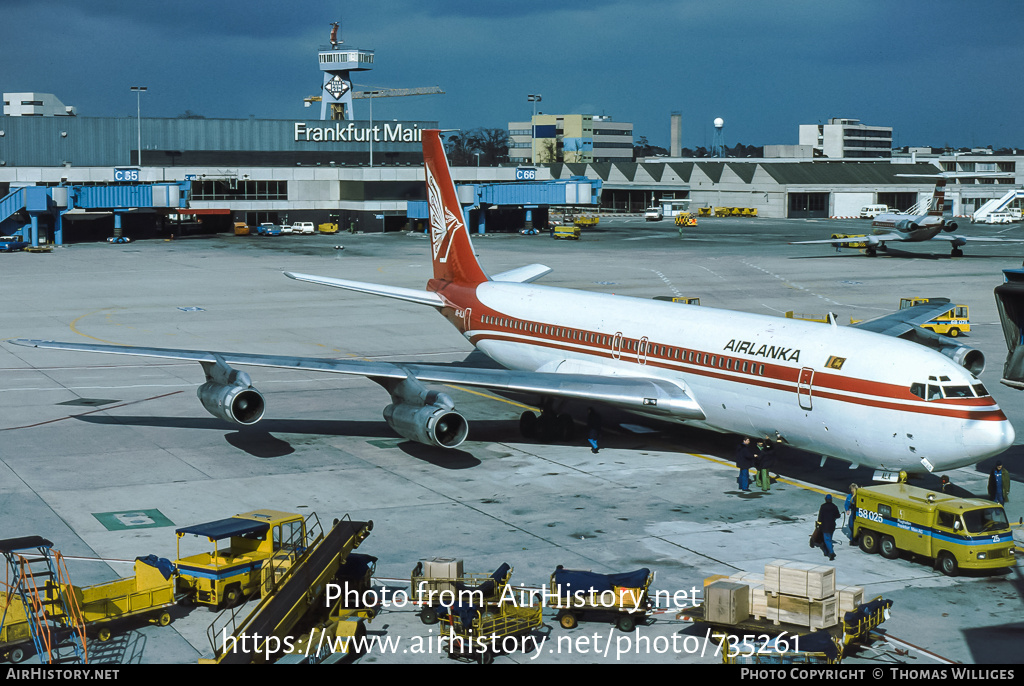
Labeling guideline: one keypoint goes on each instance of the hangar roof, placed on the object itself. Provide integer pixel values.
(784, 173)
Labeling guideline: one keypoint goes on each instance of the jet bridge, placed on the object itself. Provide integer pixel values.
(24, 209)
(576, 191)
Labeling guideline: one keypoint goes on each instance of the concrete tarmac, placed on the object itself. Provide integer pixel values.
(107, 455)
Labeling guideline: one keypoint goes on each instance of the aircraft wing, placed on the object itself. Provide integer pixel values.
(646, 394)
(873, 238)
(901, 321)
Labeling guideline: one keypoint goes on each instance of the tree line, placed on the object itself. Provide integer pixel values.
(478, 147)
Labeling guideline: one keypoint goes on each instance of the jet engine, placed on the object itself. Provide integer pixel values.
(431, 424)
(971, 359)
(949, 226)
(907, 225)
(228, 394)
(422, 415)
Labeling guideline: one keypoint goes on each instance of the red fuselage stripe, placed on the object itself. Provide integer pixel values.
(776, 377)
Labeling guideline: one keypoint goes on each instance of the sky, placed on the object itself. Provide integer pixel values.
(941, 73)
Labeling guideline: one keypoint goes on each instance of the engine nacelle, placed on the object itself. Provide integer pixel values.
(437, 425)
(971, 359)
(949, 226)
(229, 395)
(241, 404)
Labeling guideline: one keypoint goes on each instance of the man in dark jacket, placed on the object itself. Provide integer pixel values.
(999, 484)
(744, 460)
(828, 513)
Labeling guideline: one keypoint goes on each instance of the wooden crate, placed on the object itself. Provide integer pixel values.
(726, 602)
(849, 597)
(815, 614)
(443, 567)
(801, 579)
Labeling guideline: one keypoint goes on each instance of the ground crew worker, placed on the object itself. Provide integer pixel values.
(744, 460)
(999, 484)
(593, 429)
(828, 513)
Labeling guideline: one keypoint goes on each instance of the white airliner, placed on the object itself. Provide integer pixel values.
(852, 393)
(895, 227)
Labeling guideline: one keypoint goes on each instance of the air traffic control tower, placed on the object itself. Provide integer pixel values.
(336, 64)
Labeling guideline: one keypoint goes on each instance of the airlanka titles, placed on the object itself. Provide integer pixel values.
(774, 352)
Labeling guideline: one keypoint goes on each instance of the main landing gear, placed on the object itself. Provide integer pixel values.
(549, 427)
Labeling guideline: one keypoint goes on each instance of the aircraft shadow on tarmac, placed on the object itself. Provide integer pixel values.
(263, 442)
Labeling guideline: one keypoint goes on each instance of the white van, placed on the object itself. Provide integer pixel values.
(999, 218)
(872, 211)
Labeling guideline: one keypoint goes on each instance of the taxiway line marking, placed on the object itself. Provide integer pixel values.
(101, 409)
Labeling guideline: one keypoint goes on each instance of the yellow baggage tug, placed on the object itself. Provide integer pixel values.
(230, 574)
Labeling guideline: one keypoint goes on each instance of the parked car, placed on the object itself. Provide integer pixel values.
(286, 228)
(653, 214)
(268, 229)
(303, 227)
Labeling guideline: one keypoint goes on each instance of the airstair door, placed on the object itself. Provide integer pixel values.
(804, 387)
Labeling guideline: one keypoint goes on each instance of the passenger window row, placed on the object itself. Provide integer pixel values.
(641, 347)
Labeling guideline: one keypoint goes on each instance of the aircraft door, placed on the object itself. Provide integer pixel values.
(804, 387)
(617, 345)
(641, 350)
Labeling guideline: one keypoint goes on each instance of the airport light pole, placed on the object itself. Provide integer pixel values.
(369, 134)
(534, 98)
(139, 90)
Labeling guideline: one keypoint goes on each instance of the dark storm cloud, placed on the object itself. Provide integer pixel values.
(939, 71)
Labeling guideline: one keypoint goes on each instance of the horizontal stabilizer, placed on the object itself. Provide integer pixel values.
(527, 274)
(396, 292)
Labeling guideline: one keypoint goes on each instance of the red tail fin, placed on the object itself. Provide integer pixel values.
(938, 198)
(450, 246)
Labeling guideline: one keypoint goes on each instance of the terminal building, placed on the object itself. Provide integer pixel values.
(358, 172)
(554, 138)
(847, 139)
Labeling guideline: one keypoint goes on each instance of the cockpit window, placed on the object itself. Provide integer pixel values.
(934, 391)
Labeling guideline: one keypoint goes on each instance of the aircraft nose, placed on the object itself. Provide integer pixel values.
(986, 439)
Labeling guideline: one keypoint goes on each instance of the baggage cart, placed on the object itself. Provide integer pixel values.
(436, 593)
(762, 641)
(480, 633)
(571, 233)
(623, 598)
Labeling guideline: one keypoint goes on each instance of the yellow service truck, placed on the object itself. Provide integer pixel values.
(955, 321)
(260, 542)
(957, 533)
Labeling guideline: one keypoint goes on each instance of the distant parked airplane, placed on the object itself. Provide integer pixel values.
(914, 229)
